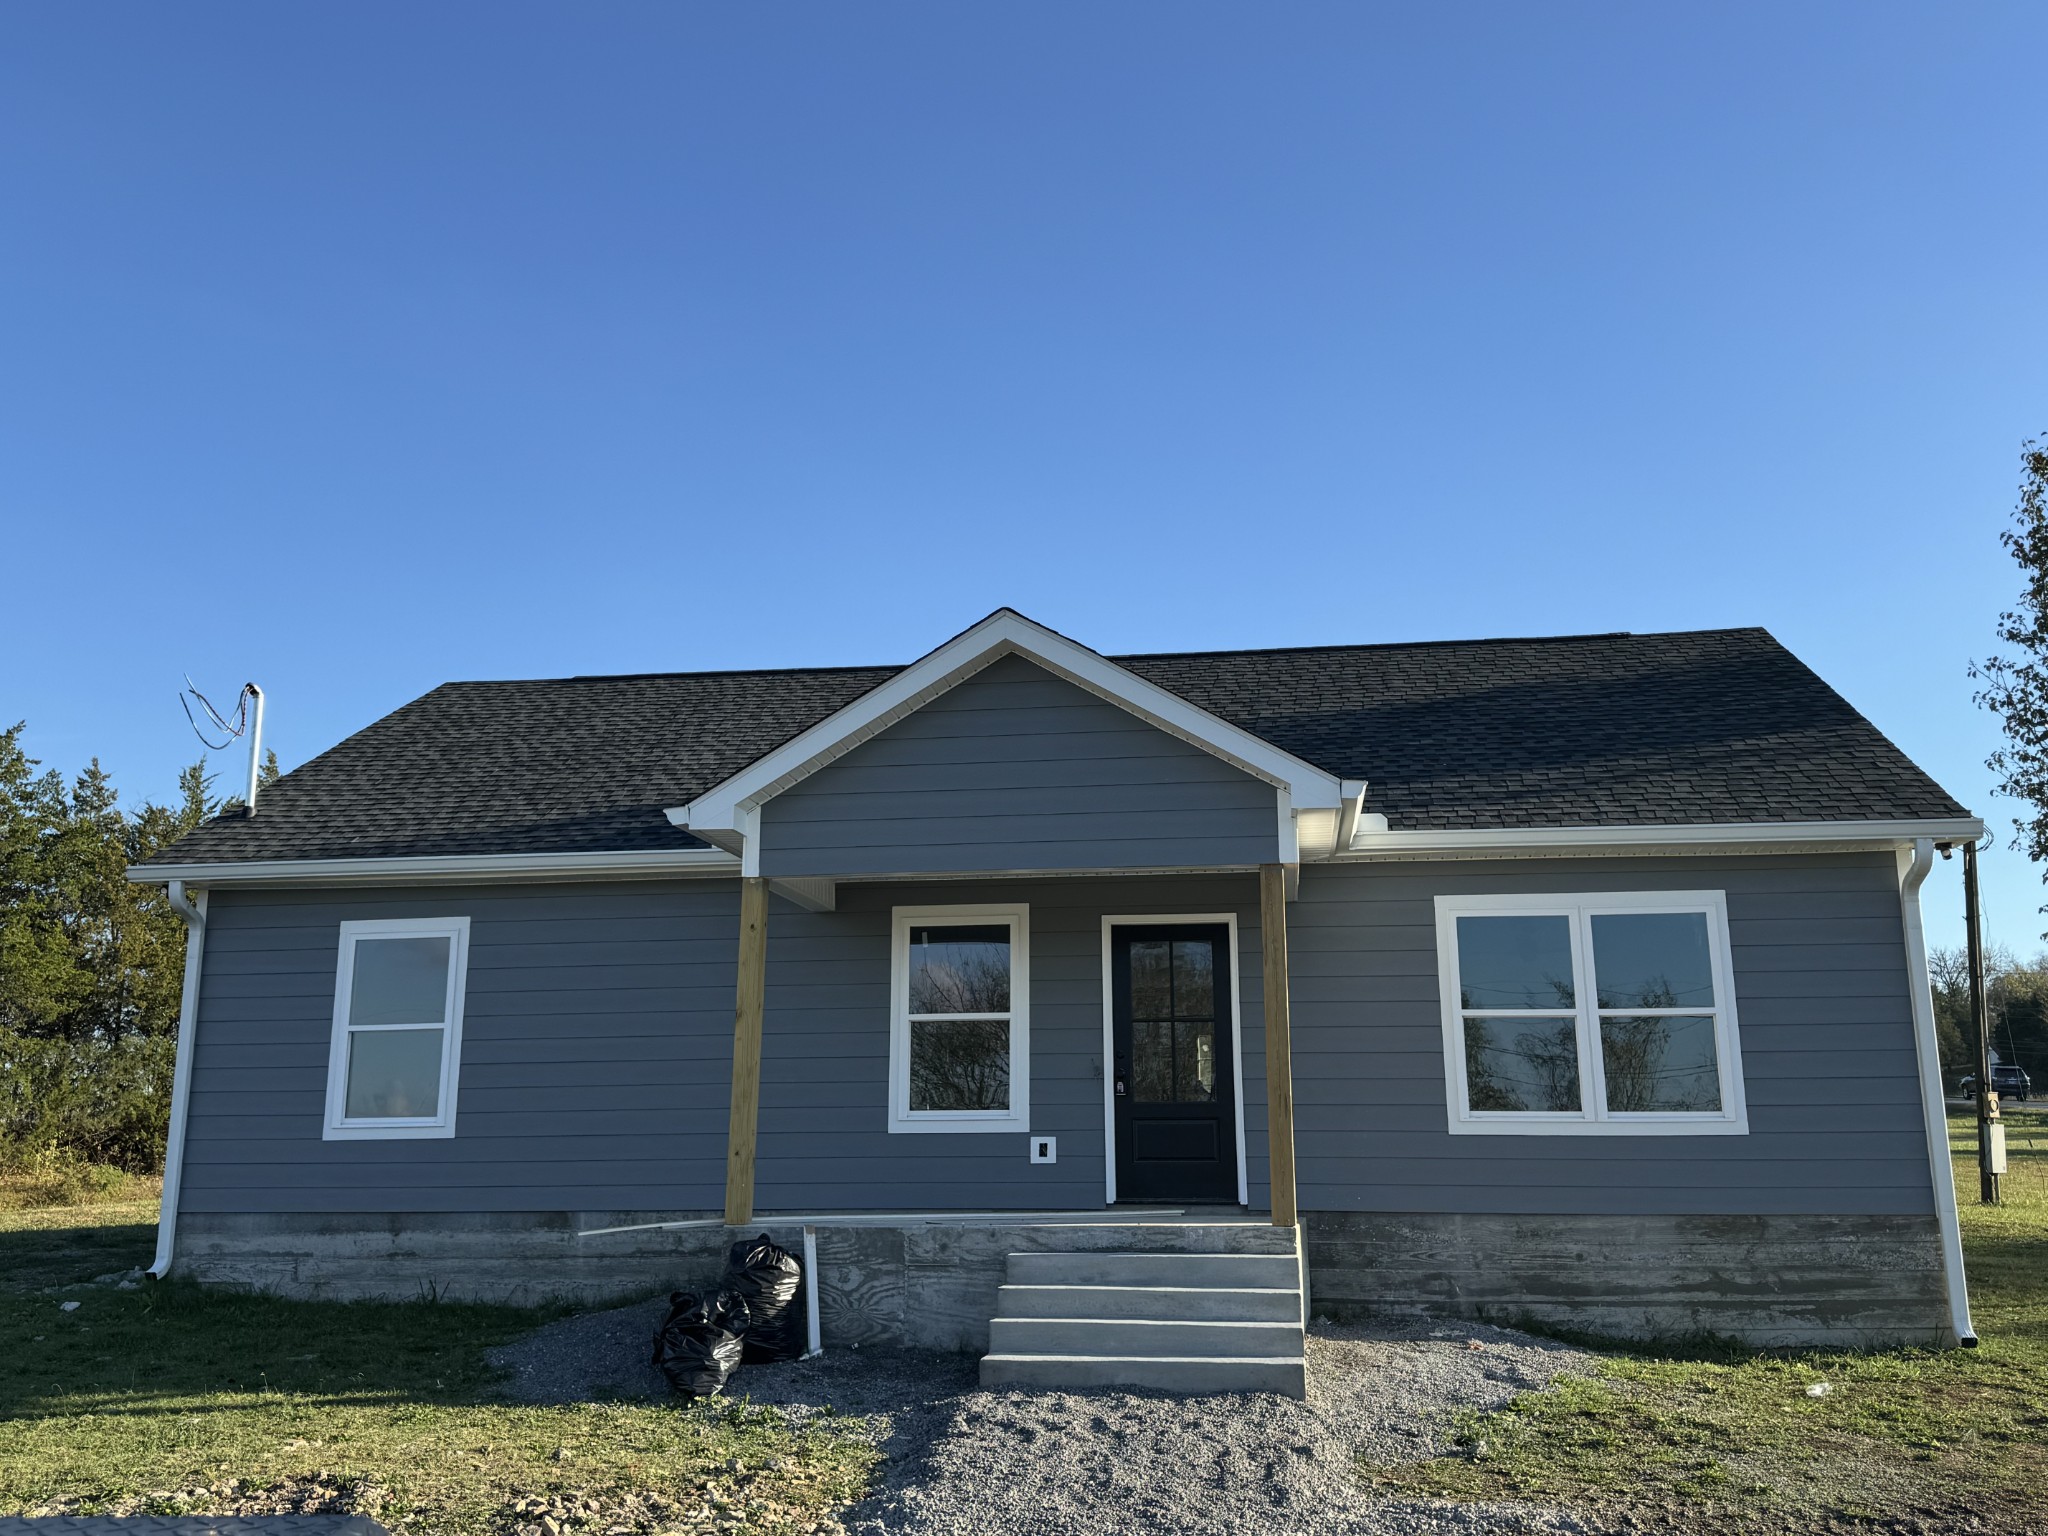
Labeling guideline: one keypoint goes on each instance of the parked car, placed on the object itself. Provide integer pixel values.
(2007, 1082)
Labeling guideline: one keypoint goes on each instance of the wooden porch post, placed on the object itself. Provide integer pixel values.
(1279, 1046)
(746, 1052)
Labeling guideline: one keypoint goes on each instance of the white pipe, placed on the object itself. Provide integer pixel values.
(1913, 870)
(814, 1341)
(193, 911)
(255, 745)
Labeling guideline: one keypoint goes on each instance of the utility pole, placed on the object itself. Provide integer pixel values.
(1990, 1133)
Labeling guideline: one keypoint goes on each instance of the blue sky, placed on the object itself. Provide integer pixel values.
(356, 348)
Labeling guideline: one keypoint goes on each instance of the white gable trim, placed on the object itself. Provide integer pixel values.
(731, 806)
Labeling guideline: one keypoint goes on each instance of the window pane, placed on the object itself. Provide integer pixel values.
(399, 981)
(1515, 962)
(959, 1064)
(1194, 1074)
(1652, 960)
(1152, 1062)
(1194, 979)
(393, 1074)
(1661, 1063)
(1152, 978)
(960, 970)
(1522, 1064)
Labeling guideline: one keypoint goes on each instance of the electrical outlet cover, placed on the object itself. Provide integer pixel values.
(1045, 1149)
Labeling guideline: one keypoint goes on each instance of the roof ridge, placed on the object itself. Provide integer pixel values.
(1256, 650)
(1417, 645)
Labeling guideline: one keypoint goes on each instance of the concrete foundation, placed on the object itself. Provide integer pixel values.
(928, 1285)
(1849, 1281)
(1767, 1280)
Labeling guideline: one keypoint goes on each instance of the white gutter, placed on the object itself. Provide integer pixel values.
(193, 911)
(1687, 837)
(640, 863)
(1913, 870)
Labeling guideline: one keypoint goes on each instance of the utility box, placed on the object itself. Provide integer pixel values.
(1995, 1144)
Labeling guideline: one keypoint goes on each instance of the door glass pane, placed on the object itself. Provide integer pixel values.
(399, 981)
(393, 1074)
(1151, 979)
(1522, 1064)
(1152, 1061)
(959, 1064)
(1660, 1062)
(1652, 960)
(1515, 962)
(1194, 979)
(1194, 1072)
(960, 970)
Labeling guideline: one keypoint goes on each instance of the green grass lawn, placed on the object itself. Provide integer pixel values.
(1727, 1437)
(168, 1398)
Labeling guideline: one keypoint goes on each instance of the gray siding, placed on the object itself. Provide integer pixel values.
(825, 1143)
(1826, 1033)
(1016, 769)
(596, 1054)
(597, 1049)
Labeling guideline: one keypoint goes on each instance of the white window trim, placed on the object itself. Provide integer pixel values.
(339, 1127)
(1733, 1119)
(1110, 923)
(902, 1119)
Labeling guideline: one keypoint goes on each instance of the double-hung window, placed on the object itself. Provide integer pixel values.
(1611, 1013)
(960, 1020)
(397, 1028)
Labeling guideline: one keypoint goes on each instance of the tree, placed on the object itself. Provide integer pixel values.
(91, 966)
(2016, 685)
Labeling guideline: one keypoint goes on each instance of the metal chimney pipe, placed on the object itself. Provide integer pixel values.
(255, 743)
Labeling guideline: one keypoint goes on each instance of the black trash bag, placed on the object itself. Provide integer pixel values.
(770, 1280)
(699, 1343)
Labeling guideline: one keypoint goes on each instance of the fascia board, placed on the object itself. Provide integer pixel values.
(442, 869)
(1003, 634)
(1780, 836)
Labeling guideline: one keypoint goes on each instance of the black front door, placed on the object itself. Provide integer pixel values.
(1174, 1088)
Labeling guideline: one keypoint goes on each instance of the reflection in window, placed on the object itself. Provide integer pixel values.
(1659, 1064)
(1515, 962)
(1601, 1009)
(1522, 1065)
(958, 1037)
(959, 1064)
(1173, 1021)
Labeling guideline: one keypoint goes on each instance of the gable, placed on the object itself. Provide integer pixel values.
(1017, 769)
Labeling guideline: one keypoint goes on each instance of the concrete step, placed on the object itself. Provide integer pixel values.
(1134, 1337)
(1282, 1374)
(1189, 1303)
(1229, 1271)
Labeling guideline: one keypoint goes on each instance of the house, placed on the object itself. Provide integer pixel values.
(1104, 1013)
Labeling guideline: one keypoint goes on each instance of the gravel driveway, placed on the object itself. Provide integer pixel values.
(963, 1462)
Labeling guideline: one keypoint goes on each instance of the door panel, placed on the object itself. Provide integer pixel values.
(1174, 1090)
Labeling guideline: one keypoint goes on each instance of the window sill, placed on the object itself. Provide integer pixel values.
(404, 1132)
(1659, 1127)
(900, 1125)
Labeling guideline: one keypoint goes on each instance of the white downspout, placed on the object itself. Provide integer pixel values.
(193, 911)
(1913, 870)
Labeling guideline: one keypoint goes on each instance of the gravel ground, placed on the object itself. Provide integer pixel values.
(962, 1461)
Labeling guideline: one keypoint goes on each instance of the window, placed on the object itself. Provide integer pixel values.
(397, 1028)
(1604, 1014)
(960, 1038)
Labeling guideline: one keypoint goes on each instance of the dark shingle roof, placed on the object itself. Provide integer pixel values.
(1588, 730)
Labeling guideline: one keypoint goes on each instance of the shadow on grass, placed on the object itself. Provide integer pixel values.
(169, 1346)
(34, 1257)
